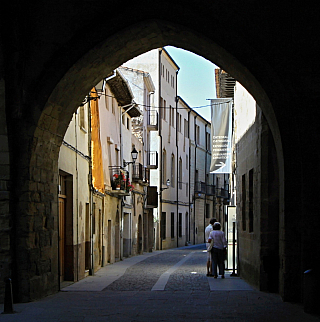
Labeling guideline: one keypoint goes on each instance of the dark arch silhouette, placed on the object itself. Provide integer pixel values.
(52, 55)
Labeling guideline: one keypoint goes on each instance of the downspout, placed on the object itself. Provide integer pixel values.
(189, 179)
(205, 180)
(160, 156)
(121, 199)
(195, 184)
(77, 197)
(177, 162)
(102, 241)
(91, 270)
(121, 161)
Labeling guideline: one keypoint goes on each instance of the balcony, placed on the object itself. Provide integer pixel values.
(120, 181)
(211, 189)
(152, 121)
(152, 159)
(140, 174)
(152, 197)
(222, 193)
(200, 187)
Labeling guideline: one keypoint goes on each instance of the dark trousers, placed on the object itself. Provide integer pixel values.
(218, 261)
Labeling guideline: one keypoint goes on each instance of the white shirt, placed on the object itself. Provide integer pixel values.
(219, 239)
(207, 232)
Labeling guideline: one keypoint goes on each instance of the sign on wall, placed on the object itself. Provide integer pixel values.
(221, 132)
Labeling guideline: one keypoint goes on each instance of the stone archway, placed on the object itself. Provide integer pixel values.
(37, 196)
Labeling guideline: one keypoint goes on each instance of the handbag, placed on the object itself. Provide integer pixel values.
(211, 245)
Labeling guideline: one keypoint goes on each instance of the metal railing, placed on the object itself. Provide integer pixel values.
(140, 173)
(211, 190)
(200, 187)
(222, 193)
(119, 178)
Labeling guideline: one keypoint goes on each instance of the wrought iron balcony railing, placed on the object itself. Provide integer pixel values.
(222, 193)
(120, 181)
(200, 187)
(140, 173)
(211, 189)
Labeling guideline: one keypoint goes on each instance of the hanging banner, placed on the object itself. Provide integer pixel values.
(221, 133)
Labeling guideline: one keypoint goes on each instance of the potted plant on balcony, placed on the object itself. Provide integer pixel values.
(119, 180)
(130, 186)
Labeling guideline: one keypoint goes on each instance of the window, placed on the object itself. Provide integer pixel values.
(172, 171)
(244, 197)
(180, 173)
(208, 210)
(164, 110)
(251, 201)
(164, 166)
(172, 225)
(186, 128)
(163, 225)
(82, 123)
(197, 134)
(93, 218)
(208, 142)
(179, 123)
(172, 116)
(180, 224)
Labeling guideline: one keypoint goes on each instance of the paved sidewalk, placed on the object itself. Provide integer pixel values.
(160, 286)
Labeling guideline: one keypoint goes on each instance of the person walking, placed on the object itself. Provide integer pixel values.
(218, 250)
(207, 232)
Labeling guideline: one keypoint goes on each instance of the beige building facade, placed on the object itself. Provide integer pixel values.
(102, 190)
(181, 143)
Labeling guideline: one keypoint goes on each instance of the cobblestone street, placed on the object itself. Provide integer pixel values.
(160, 286)
(190, 276)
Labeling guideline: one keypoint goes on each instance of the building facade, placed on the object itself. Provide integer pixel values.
(181, 144)
(102, 190)
(254, 187)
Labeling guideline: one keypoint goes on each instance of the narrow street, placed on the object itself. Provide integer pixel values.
(161, 286)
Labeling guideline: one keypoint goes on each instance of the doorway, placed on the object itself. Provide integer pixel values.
(66, 249)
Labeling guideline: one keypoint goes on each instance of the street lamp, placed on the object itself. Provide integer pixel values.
(167, 185)
(134, 156)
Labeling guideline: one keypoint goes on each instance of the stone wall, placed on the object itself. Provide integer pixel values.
(49, 60)
(5, 218)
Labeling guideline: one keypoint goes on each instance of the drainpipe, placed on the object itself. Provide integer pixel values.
(77, 193)
(177, 162)
(121, 161)
(205, 180)
(160, 157)
(91, 270)
(194, 189)
(189, 179)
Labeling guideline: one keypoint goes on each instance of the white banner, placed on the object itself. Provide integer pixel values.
(221, 133)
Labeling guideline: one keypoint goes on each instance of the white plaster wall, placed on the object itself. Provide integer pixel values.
(244, 112)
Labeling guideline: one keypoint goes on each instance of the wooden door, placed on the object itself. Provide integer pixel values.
(62, 234)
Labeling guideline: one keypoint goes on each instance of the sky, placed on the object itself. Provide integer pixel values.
(195, 79)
